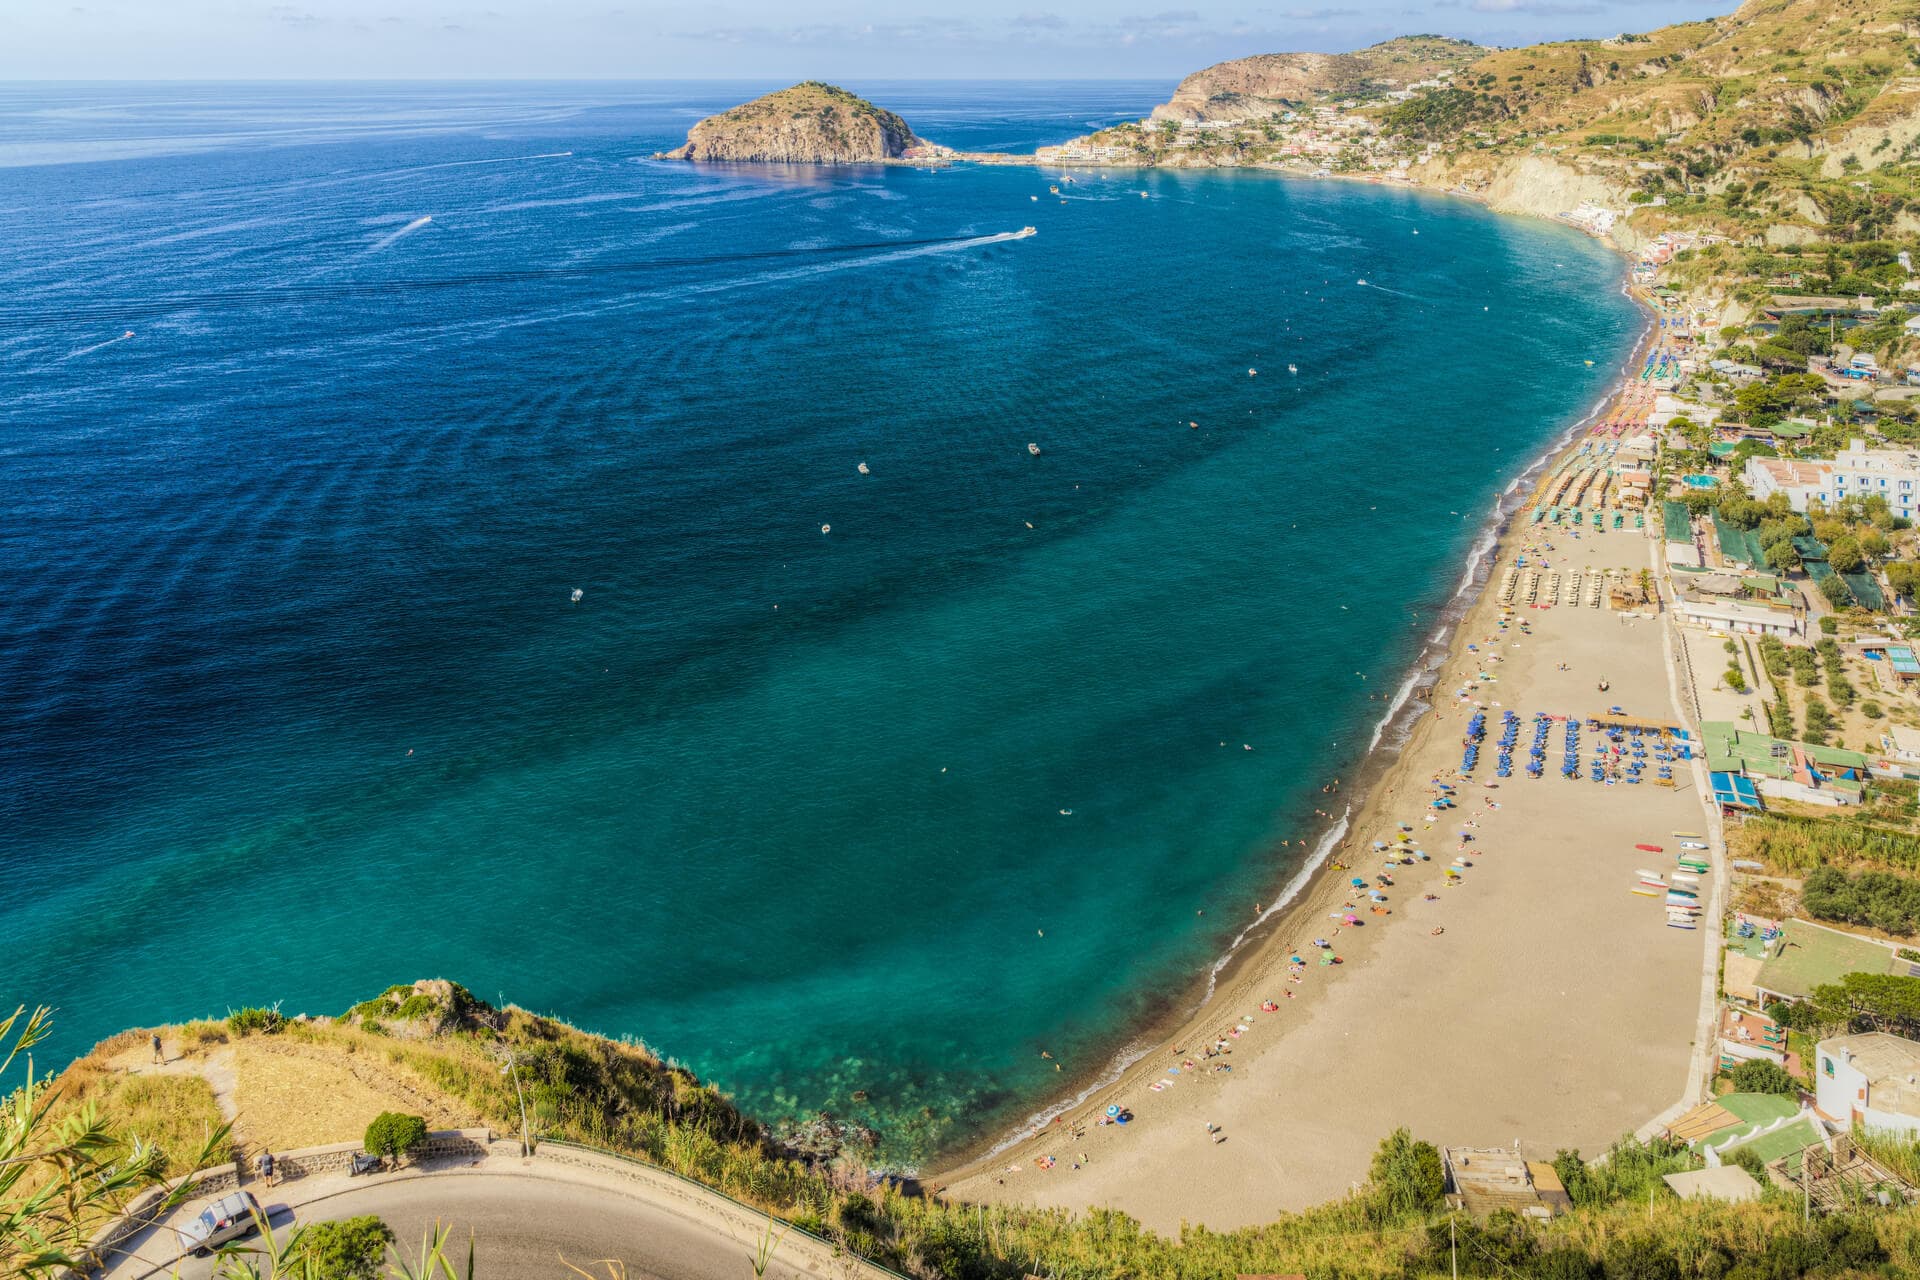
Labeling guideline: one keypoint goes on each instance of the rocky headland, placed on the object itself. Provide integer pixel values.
(810, 123)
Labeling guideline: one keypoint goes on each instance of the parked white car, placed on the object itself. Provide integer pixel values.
(227, 1218)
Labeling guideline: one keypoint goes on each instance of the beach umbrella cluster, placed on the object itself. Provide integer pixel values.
(1570, 758)
(1476, 734)
(1537, 754)
(1509, 735)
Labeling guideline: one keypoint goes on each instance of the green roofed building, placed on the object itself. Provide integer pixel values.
(1807, 955)
(1865, 590)
(1786, 770)
(1810, 549)
(1741, 545)
(1678, 521)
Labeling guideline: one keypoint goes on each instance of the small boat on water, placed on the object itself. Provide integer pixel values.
(577, 594)
(1292, 368)
(1024, 232)
(1034, 449)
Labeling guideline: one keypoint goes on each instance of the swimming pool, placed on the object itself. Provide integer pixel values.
(1699, 482)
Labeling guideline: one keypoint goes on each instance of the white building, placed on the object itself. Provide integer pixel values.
(1745, 617)
(1859, 472)
(1870, 1080)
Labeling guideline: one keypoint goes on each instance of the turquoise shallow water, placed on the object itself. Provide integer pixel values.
(296, 703)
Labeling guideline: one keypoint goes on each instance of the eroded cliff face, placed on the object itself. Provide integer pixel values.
(811, 123)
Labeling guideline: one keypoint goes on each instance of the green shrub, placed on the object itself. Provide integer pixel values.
(1642, 1257)
(1761, 1076)
(372, 1027)
(244, 1022)
(1829, 625)
(1736, 678)
(1407, 1174)
(351, 1249)
(1872, 710)
(394, 1135)
(417, 1006)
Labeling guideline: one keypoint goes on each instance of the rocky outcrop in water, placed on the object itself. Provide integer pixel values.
(811, 123)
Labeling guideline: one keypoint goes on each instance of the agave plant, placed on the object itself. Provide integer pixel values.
(63, 1177)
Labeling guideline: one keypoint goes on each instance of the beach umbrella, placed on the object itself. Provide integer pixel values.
(1113, 1110)
(1359, 883)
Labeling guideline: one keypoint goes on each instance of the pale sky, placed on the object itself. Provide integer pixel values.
(747, 39)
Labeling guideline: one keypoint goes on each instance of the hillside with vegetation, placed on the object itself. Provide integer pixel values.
(1791, 120)
(1783, 114)
(1267, 83)
(448, 1048)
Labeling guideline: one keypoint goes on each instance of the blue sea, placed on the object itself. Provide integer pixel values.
(297, 699)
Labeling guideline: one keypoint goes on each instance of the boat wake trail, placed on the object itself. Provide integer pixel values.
(819, 257)
(389, 238)
(87, 351)
(1398, 293)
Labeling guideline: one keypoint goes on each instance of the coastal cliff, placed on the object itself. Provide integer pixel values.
(810, 123)
(1785, 122)
(1256, 87)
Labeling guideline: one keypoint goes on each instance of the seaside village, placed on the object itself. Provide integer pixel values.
(1751, 495)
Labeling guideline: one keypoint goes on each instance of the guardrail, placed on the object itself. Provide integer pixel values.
(704, 1189)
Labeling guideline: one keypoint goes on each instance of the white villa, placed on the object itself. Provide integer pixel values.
(1894, 474)
(1871, 1080)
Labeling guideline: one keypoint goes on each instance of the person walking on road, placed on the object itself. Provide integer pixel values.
(265, 1164)
(159, 1054)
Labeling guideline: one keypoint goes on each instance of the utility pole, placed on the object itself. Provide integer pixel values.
(511, 1067)
(1453, 1248)
(1806, 1191)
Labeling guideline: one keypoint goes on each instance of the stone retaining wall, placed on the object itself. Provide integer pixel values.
(217, 1180)
(338, 1158)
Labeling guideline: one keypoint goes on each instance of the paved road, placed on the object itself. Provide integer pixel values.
(522, 1227)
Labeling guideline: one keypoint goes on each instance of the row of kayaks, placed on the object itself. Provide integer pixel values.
(1680, 890)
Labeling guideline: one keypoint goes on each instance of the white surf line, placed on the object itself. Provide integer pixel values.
(1322, 851)
(386, 240)
(1036, 1124)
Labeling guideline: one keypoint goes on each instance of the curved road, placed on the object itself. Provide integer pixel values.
(522, 1227)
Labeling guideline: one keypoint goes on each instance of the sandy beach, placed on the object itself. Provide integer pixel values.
(1537, 1001)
